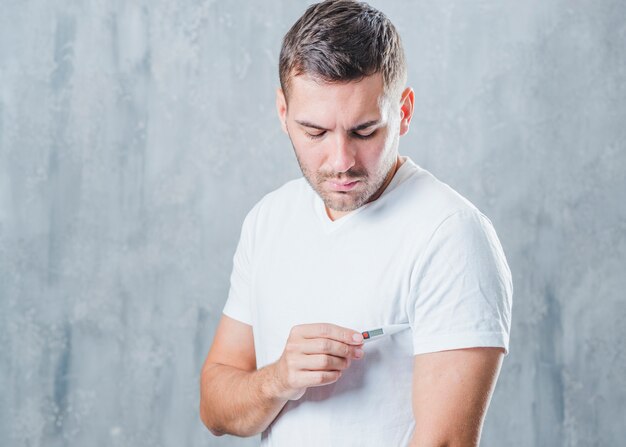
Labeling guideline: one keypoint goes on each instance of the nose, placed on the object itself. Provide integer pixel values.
(342, 156)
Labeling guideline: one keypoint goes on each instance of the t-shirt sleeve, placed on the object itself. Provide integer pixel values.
(462, 288)
(239, 301)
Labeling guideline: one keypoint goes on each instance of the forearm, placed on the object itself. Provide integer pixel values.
(238, 402)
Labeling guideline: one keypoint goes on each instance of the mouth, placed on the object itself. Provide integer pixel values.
(342, 186)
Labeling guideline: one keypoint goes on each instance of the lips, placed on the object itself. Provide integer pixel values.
(342, 186)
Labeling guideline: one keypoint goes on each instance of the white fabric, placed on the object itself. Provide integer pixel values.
(421, 253)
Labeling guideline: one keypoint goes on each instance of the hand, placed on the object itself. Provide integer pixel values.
(315, 355)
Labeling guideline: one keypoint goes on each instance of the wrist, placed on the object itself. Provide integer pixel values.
(271, 386)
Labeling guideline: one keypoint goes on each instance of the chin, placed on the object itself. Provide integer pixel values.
(343, 206)
(342, 209)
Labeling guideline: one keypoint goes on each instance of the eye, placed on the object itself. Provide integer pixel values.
(315, 136)
(364, 137)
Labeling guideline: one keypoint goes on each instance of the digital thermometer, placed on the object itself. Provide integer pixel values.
(377, 333)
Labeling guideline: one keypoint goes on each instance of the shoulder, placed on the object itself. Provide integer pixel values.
(430, 202)
(277, 202)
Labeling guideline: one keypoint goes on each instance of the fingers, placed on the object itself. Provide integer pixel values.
(315, 354)
(331, 347)
(317, 378)
(328, 330)
(321, 362)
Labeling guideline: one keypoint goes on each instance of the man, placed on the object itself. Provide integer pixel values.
(365, 239)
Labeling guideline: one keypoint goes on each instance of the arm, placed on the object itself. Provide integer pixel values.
(234, 396)
(238, 399)
(451, 394)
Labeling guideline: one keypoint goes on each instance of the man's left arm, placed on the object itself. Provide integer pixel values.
(451, 393)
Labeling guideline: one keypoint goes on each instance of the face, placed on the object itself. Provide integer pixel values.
(345, 137)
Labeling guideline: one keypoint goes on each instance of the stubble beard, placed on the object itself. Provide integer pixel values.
(346, 201)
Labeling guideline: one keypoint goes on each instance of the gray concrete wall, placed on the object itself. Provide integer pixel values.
(135, 136)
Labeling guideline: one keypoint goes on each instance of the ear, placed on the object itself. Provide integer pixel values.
(281, 108)
(406, 109)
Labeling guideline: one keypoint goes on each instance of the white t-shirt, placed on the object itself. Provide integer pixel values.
(421, 253)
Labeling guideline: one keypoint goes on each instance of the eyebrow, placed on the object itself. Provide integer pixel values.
(356, 128)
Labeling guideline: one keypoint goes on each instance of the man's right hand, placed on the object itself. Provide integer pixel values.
(314, 355)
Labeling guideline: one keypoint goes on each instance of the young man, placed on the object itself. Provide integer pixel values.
(365, 239)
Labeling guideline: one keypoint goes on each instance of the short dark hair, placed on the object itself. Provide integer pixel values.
(342, 41)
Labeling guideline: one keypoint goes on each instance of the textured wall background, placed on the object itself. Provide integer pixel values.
(135, 136)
